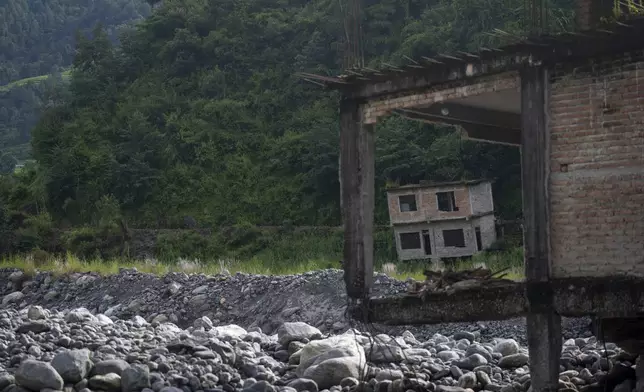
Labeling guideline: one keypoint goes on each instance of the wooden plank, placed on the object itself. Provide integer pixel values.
(357, 182)
(542, 322)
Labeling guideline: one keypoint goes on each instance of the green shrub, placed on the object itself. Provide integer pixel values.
(92, 243)
(171, 246)
(35, 232)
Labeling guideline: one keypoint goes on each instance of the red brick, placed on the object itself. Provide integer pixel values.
(597, 218)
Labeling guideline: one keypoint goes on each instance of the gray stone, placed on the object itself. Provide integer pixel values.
(203, 322)
(225, 351)
(465, 335)
(170, 389)
(260, 386)
(467, 380)
(297, 331)
(80, 315)
(448, 355)
(303, 384)
(37, 375)
(135, 378)
(199, 300)
(36, 313)
(449, 388)
(159, 319)
(6, 380)
(329, 361)
(116, 366)
(478, 349)
(349, 382)
(13, 298)
(72, 365)
(507, 347)
(105, 382)
(39, 326)
(383, 352)
(471, 362)
(388, 374)
(514, 360)
(483, 378)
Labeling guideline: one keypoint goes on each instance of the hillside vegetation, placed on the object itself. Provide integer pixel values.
(37, 45)
(195, 116)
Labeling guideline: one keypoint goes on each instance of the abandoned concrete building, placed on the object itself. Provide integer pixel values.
(442, 220)
(574, 104)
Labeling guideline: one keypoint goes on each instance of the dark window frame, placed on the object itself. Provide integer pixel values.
(427, 242)
(412, 206)
(479, 239)
(404, 242)
(448, 204)
(455, 237)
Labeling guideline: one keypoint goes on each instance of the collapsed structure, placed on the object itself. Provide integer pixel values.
(574, 104)
(442, 220)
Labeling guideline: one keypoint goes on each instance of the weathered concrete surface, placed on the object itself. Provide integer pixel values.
(611, 297)
(491, 303)
(357, 170)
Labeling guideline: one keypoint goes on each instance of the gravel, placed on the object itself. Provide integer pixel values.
(135, 332)
(317, 298)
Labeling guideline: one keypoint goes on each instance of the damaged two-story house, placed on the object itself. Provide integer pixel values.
(442, 220)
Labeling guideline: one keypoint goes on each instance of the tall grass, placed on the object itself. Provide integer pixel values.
(276, 261)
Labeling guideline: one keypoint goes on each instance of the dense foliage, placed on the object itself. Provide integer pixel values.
(196, 113)
(37, 44)
(38, 35)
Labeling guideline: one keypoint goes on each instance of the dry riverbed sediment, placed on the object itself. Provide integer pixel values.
(135, 332)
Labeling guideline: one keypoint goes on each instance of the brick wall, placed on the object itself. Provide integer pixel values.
(377, 108)
(597, 168)
(427, 204)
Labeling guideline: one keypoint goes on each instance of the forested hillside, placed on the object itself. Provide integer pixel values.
(38, 35)
(197, 113)
(37, 44)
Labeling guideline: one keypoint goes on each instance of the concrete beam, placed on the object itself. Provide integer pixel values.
(606, 297)
(482, 304)
(495, 131)
(460, 72)
(473, 115)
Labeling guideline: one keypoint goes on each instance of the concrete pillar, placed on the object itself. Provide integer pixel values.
(543, 324)
(588, 13)
(357, 165)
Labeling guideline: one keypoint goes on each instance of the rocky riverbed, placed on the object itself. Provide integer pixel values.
(317, 298)
(134, 332)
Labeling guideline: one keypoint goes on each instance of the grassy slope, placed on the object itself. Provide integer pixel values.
(267, 263)
(33, 79)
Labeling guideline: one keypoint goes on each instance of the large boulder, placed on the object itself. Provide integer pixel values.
(135, 378)
(297, 331)
(382, 352)
(116, 366)
(80, 315)
(514, 360)
(37, 375)
(506, 347)
(73, 365)
(228, 332)
(329, 361)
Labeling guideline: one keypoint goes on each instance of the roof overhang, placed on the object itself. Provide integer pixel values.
(366, 83)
